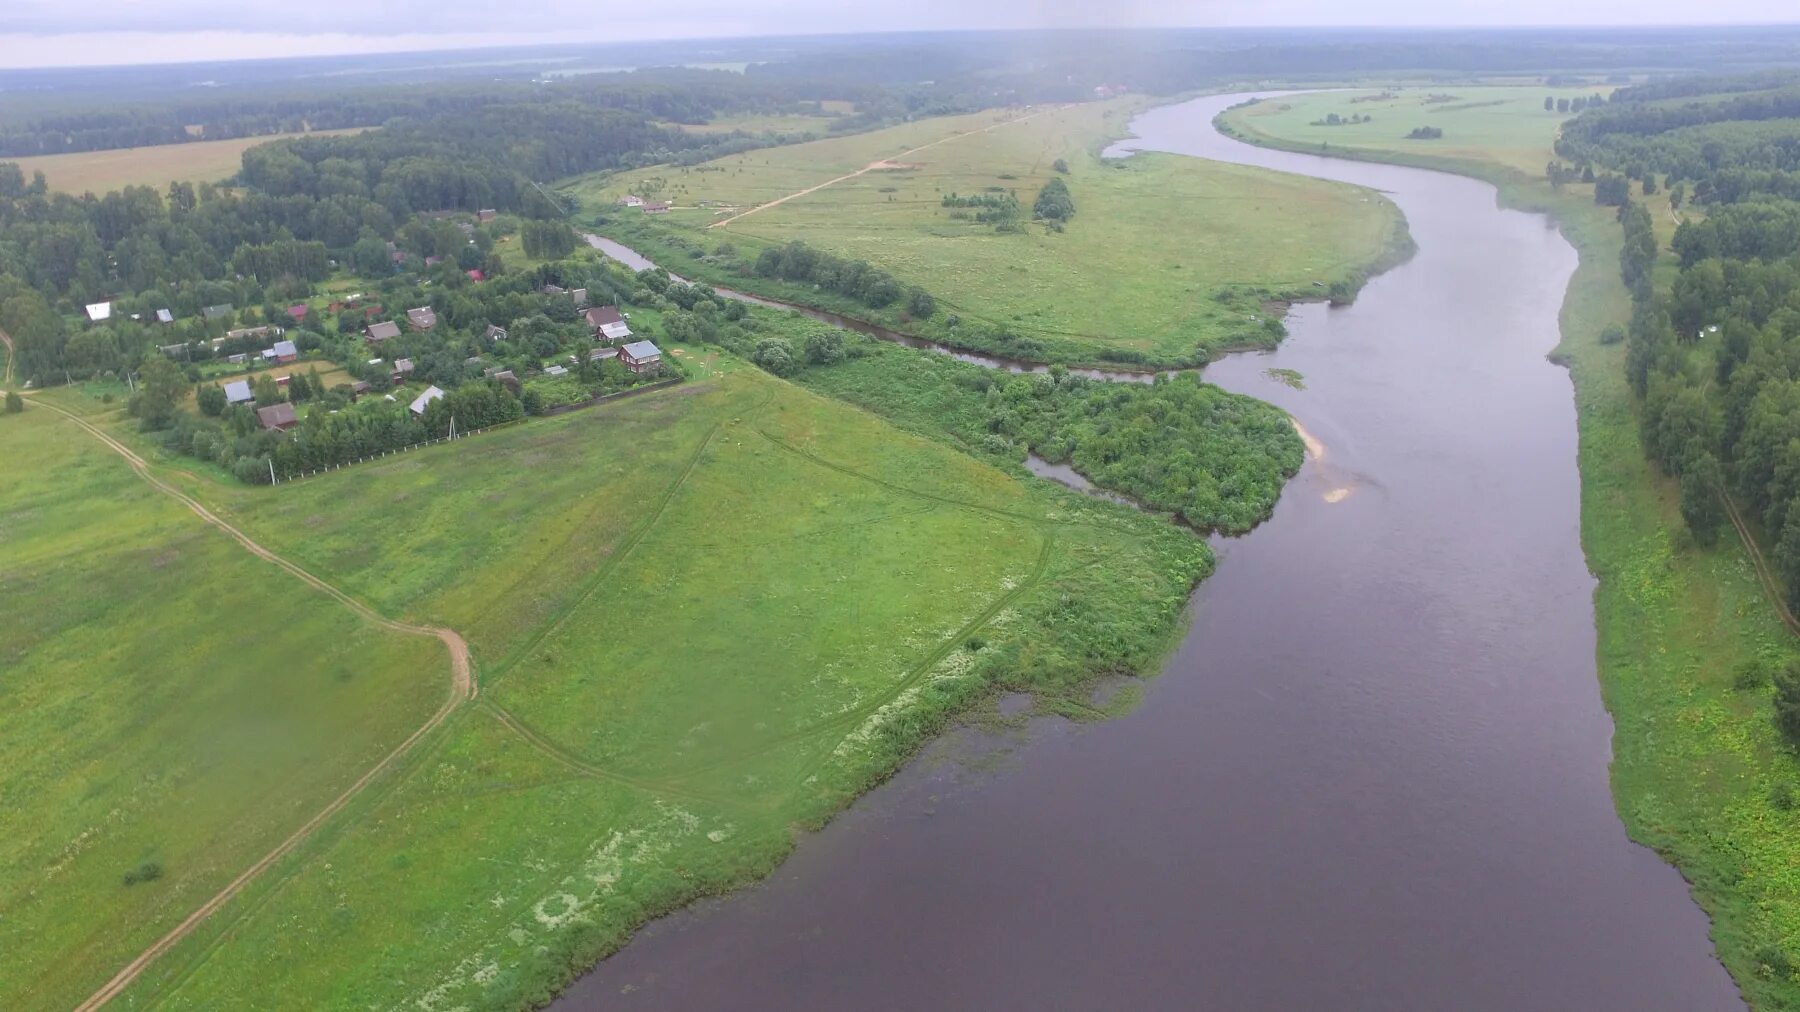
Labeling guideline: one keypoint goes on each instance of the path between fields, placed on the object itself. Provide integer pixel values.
(462, 688)
(6, 339)
(880, 163)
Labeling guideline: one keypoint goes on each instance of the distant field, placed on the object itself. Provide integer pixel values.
(158, 166)
(169, 700)
(759, 123)
(701, 618)
(1165, 255)
(1504, 125)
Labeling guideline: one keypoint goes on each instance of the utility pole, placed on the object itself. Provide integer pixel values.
(271, 471)
(452, 426)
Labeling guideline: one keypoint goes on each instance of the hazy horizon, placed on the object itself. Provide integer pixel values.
(37, 33)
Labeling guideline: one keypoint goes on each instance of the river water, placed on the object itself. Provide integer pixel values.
(1372, 776)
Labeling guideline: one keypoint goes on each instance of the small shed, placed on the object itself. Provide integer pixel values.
(602, 354)
(431, 393)
(614, 332)
(403, 367)
(358, 388)
(580, 297)
(556, 370)
(641, 357)
(279, 417)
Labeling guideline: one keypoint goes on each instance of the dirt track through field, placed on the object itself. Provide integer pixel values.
(880, 163)
(6, 339)
(462, 688)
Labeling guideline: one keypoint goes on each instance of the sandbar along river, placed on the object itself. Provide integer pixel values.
(1374, 774)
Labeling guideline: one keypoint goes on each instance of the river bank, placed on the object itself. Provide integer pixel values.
(1407, 806)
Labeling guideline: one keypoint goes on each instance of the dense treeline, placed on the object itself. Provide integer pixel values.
(856, 279)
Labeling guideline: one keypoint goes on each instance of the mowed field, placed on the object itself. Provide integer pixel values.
(169, 701)
(1165, 255)
(1504, 125)
(159, 165)
(701, 618)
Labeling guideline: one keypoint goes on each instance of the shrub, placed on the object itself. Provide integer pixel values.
(14, 403)
(149, 871)
(775, 355)
(1787, 701)
(1752, 674)
(1613, 334)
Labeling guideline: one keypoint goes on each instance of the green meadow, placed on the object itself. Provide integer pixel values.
(1699, 771)
(701, 618)
(172, 708)
(1167, 260)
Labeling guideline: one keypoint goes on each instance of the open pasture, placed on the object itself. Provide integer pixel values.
(1166, 259)
(700, 618)
(156, 166)
(172, 708)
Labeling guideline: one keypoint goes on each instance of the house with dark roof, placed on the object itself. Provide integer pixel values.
(422, 318)
(222, 311)
(641, 357)
(656, 207)
(279, 417)
(386, 330)
(403, 368)
(494, 333)
(358, 388)
(600, 316)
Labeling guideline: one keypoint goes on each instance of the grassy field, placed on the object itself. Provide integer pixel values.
(1699, 771)
(715, 613)
(169, 700)
(1166, 259)
(158, 165)
(1506, 126)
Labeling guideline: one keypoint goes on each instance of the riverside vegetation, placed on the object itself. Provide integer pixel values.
(1690, 642)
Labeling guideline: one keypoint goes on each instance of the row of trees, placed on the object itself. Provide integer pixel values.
(854, 279)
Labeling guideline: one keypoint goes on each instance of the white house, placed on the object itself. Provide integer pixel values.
(99, 312)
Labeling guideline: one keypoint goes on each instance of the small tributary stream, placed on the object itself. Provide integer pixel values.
(1372, 776)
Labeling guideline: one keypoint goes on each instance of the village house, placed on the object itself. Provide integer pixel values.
(386, 330)
(231, 335)
(506, 379)
(403, 368)
(631, 200)
(99, 312)
(164, 316)
(580, 297)
(238, 392)
(486, 215)
(553, 290)
(431, 393)
(283, 351)
(608, 324)
(279, 417)
(422, 318)
(222, 311)
(494, 333)
(656, 207)
(358, 388)
(297, 313)
(476, 275)
(641, 357)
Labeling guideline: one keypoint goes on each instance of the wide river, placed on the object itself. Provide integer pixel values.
(1373, 776)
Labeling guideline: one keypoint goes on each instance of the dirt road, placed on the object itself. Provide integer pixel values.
(883, 163)
(462, 688)
(6, 339)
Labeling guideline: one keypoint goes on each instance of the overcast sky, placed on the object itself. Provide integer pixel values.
(37, 33)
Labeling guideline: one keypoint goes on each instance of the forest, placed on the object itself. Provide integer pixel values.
(1714, 349)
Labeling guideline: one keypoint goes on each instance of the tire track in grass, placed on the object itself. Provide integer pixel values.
(462, 688)
(1764, 575)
